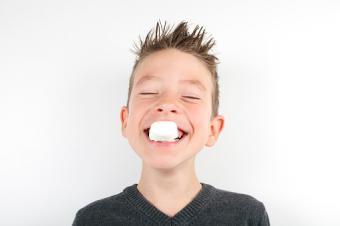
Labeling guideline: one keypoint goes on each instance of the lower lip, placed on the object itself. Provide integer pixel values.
(164, 144)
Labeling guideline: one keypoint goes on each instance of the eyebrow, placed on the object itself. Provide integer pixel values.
(190, 81)
(195, 82)
(146, 78)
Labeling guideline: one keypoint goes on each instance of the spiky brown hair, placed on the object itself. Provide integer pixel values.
(162, 37)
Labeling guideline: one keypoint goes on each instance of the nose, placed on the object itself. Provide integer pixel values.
(168, 103)
(167, 108)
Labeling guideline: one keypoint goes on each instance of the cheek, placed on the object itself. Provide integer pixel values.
(133, 117)
(137, 111)
(200, 112)
(197, 117)
(135, 107)
(201, 118)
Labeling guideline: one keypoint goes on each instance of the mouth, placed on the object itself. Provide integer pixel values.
(181, 135)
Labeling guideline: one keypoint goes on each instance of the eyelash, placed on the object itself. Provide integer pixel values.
(195, 98)
(147, 93)
(190, 97)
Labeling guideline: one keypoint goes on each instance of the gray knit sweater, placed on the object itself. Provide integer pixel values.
(210, 207)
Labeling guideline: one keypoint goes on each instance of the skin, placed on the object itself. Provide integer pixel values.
(168, 179)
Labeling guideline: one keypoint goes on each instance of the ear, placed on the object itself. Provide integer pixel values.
(216, 126)
(124, 112)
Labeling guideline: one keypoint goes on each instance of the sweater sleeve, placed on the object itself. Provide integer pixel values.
(261, 217)
(80, 219)
(76, 220)
(264, 220)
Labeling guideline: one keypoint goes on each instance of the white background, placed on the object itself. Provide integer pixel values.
(64, 68)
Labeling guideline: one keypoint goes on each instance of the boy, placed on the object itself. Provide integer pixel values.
(173, 82)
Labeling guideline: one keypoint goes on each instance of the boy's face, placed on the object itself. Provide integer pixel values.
(166, 87)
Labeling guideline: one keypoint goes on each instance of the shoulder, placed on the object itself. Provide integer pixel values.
(103, 204)
(239, 205)
(100, 209)
(224, 197)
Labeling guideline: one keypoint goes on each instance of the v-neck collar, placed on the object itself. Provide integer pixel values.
(184, 216)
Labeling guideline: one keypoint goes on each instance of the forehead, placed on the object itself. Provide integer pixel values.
(173, 66)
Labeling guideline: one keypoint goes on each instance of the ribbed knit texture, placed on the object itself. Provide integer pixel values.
(210, 207)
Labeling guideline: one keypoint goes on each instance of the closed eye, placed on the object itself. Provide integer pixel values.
(147, 93)
(191, 97)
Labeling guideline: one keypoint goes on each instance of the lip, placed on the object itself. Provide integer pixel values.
(164, 144)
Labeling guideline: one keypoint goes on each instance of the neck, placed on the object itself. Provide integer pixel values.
(169, 190)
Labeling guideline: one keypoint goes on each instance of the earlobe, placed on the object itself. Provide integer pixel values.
(216, 127)
(123, 119)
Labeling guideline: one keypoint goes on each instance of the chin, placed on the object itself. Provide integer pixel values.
(165, 164)
(161, 163)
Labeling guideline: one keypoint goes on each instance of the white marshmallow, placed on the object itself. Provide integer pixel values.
(163, 131)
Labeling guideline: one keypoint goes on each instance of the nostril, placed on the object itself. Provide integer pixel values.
(166, 108)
